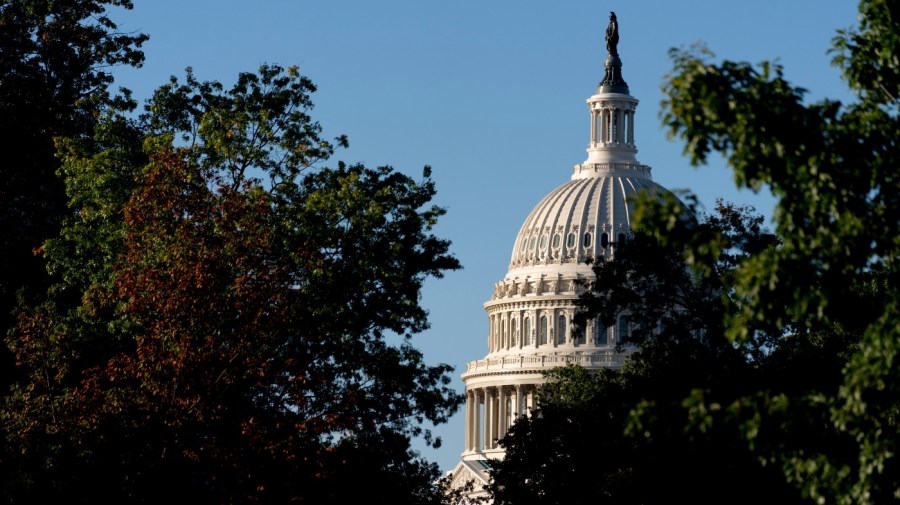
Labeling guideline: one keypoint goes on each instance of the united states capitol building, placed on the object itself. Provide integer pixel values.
(532, 308)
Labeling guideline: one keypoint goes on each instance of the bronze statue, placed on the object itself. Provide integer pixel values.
(612, 35)
(612, 76)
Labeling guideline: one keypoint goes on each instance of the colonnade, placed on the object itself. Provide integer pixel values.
(491, 410)
(523, 329)
(612, 125)
(537, 328)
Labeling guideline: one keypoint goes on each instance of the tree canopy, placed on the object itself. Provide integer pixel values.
(226, 318)
(56, 59)
(831, 167)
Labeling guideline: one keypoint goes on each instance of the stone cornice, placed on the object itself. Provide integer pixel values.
(536, 302)
(535, 287)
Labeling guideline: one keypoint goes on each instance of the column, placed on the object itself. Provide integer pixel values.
(498, 420)
(604, 126)
(494, 417)
(494, 332)
(631, 127)
(476, 432)
(502, 418)
(488, 417)
(551, 327)
(593, 127)
(468, 442)
(518, 317)
(518, 404)
(507, 334)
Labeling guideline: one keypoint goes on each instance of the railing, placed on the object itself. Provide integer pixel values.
(612, 168)
(594, 359)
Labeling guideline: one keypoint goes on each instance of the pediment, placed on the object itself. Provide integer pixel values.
(469, 479)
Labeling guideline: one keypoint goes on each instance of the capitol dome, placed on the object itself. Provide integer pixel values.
(531, 311)
(580, 219)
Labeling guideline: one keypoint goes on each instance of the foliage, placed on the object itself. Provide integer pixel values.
(625, 442)
(832, 168)
(224, 310)
(55, 63)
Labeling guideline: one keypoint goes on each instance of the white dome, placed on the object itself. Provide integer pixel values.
(579, 219)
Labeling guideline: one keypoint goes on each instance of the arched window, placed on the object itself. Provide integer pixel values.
(604, 240)
(601, 333)
(556, 240)
(621, 238)
(561, 329)
(624, 329)
(587, 240)
(512, 329)
(570, 240)
(543, 241)
(526, 334)
(542, 339)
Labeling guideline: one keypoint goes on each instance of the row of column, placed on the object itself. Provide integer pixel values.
(612, 126)
(490, 411)
(526, 329)
(504, 330)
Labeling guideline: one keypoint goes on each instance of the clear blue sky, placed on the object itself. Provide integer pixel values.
(491, 94)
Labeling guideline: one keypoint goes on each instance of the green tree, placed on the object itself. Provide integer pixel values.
(222, 319)
(832, 168)
(55, 62)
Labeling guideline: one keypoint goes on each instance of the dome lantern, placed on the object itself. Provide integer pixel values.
(612, 113)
